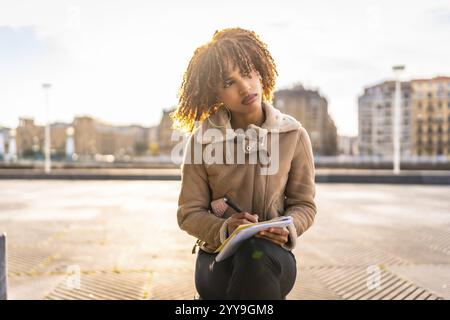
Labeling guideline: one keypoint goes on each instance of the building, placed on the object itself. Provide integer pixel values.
(94, 137)
(348, 145)
(165, 143)
(58, 138)
(311, 109)
(425, 112)
(431, 116)
(87, 137)
(375, 119)
(153, 140)
(29, 138)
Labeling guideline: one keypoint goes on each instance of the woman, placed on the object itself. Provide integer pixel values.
(227, 89)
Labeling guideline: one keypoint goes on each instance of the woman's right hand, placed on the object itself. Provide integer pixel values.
(241, 218)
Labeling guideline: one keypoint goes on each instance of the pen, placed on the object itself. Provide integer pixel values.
(232, 205)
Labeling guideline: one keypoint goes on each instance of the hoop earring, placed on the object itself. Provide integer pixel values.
(229, 117)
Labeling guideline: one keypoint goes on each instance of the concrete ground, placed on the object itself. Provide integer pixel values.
(120, 240)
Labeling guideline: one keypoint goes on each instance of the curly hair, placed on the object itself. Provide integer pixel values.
(206, 70)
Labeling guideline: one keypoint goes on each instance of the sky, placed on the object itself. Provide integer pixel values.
(123, 61)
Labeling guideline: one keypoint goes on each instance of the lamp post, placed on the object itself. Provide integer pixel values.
(2, 145)
(47, 87)
(70, 148)
(12, 147)
(398, 70)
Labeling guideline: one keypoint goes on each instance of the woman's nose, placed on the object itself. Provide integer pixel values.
(245, 88)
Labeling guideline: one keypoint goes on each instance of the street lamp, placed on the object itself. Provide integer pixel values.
(12, 147)
(2, 145)
(46, 87)
(398, 70)
(70, 148)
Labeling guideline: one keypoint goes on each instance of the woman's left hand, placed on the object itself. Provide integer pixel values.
(277, 235)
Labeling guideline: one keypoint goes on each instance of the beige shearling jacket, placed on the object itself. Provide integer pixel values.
(281, 146)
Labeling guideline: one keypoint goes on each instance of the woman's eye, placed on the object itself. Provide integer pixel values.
(227, 84)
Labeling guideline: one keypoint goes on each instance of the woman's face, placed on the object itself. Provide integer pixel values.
(241, 93)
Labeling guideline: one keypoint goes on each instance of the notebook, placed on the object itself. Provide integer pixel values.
(246, 231)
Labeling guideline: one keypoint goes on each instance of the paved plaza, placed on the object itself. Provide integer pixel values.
(120, 240)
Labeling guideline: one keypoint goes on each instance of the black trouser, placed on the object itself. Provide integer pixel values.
(259, 269)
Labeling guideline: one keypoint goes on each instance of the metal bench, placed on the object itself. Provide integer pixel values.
(3, 275)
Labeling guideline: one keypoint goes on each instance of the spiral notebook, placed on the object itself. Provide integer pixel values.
(246, 231)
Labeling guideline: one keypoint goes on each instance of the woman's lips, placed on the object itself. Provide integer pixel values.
(249, 99)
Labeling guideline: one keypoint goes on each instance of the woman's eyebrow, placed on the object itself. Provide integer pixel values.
(227, 77)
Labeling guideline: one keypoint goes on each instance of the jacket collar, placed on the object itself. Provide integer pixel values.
(275, 122)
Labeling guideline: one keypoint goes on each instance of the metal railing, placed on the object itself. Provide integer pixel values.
(3, 274)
